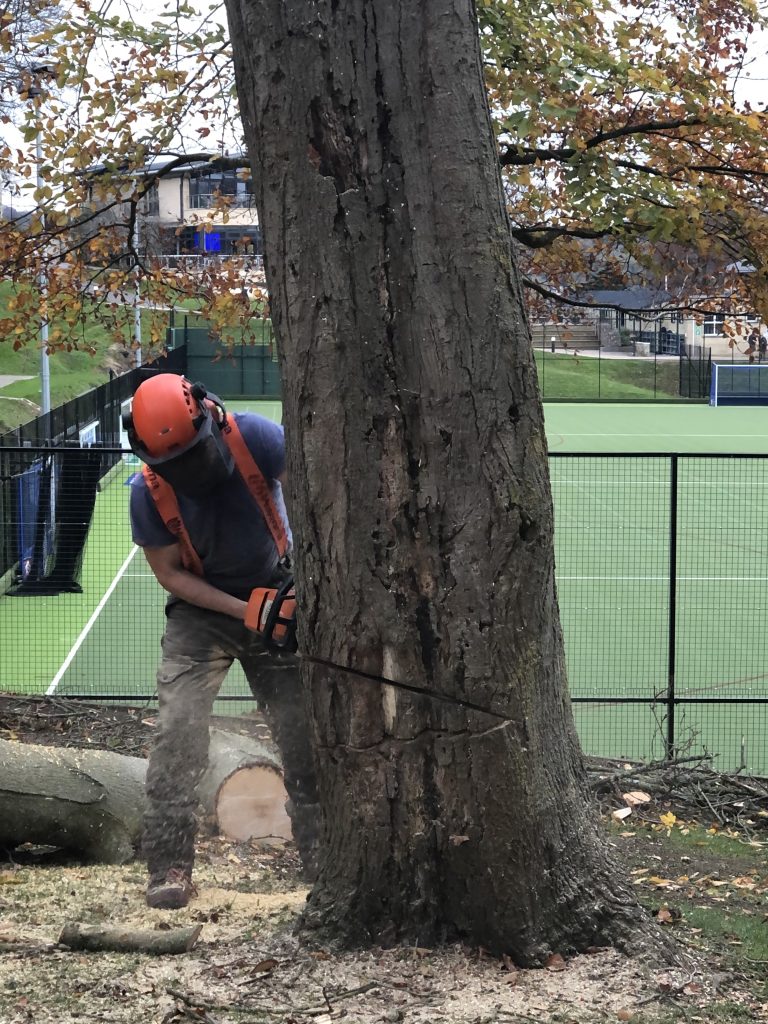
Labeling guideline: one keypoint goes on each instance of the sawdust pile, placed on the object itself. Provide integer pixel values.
(247, 966)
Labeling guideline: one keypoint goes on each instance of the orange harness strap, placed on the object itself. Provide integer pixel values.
(168, 506)
(256, 484)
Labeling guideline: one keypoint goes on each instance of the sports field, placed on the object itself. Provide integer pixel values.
(613, 530)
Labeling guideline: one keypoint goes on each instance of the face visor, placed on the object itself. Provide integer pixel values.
(199, 468)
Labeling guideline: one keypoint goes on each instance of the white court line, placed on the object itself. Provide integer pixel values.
(661, 579)
(604, 433)
(89, 624)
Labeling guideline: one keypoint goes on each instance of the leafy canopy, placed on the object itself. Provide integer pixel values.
(625, 151)
(624, 145)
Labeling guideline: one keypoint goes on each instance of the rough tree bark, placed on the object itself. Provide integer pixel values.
(420, 492)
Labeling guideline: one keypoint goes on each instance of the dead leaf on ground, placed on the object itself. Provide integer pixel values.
(264, 965)
(668, 915)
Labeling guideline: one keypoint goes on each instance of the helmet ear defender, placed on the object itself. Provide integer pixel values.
(211, 402)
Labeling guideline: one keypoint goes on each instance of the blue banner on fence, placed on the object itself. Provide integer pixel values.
(35, 522)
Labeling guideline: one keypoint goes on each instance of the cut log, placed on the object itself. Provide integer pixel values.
(92, 801)
(243, 789)
(129, 940)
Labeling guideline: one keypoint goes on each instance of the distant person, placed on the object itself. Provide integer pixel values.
(753, 343)
(212, 540)
(762, 347)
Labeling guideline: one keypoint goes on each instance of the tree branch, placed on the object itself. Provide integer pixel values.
(540, 238)
(512, 157)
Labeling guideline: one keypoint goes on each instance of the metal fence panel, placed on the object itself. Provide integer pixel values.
(661, 562)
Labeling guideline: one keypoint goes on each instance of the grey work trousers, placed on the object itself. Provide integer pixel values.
(199, 646)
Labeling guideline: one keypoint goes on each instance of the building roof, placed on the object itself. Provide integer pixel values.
(630, 298)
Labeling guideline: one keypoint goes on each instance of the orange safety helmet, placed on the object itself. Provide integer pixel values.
(173, 427)
(165, 417)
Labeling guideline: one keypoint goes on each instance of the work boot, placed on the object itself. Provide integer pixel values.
(171, 891)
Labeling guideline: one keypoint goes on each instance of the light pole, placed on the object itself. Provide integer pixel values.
(136, 296)
(35, 93)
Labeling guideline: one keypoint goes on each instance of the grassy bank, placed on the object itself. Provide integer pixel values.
(588, 378)
(93, 352)
(86, 360)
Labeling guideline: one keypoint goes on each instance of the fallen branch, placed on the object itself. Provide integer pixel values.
(692, 790)
(640, 769)
(28, 948)
(188, 1006)
(124, 940)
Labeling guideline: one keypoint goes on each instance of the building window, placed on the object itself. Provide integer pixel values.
(206, 189)
(151, 202)
(714, 323)
(221, 241)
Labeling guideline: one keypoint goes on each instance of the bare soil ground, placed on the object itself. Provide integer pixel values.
(248, 966)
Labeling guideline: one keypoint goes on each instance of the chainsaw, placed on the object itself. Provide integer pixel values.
(271, 612)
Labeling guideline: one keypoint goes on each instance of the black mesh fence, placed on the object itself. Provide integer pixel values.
(653, 367)
(94, 416)
(662, 567)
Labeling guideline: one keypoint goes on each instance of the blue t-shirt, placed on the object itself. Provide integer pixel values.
(227, 529)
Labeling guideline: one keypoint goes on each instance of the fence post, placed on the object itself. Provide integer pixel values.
(671, 706)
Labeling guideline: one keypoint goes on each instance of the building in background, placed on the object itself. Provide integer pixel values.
(195, 209)
(204, 208)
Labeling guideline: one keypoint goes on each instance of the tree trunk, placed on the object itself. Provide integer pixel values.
(92, 801)
(420, 492)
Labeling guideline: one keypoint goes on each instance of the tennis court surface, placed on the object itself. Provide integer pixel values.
(631, 624)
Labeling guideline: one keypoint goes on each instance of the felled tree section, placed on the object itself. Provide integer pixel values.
(93, 801)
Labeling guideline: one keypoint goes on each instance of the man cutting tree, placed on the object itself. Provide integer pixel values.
(208, 512)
